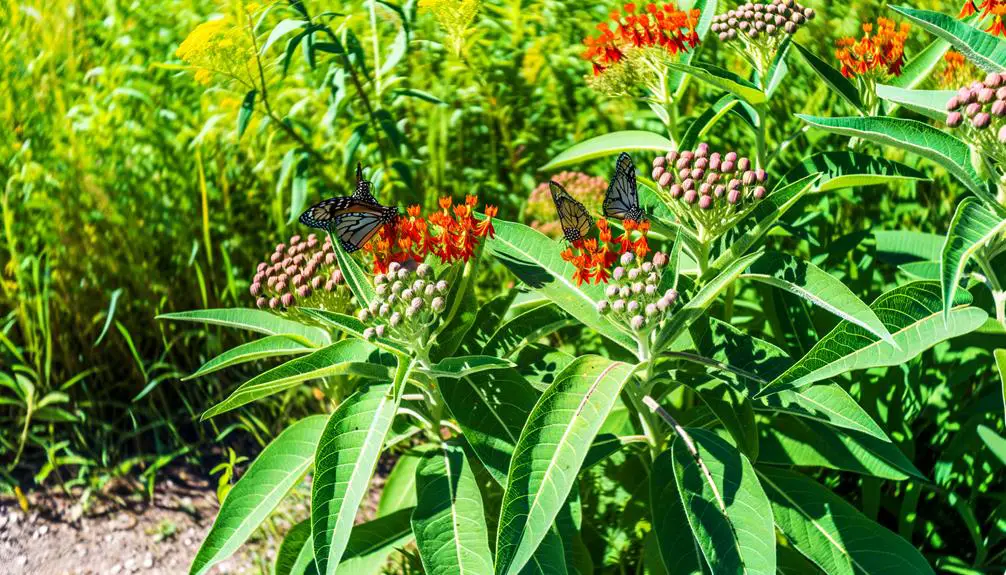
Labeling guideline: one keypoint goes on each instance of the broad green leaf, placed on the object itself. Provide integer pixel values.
(734, 410)
(346, 458)
(334, 359)
(698, 129)
(985, 50)
(569, 524)
(762, 217)
(491, 408)
(832, 77)
(371, 543)
(489, 317)
(813, 284)
(901, 246)
(296, 539)
(994, 441)
(535, 259)
(610, 144)
(540, 363)
(922, 270)
(726, 507)
(973, 226)
(724, 80)
(549, 558)
(281, 29)
(462, 308)
(918, 68)
(929, 103)
(270, 346)
(299, 186)
(357, 279)
(527, 328)
(399, 489)
(679, 551)
(549, 453)
(273, 473)
(1000, 356)
(253, 320)
(832, 533)
(791, 441)
(354, 327)
(695, 307)
(449, 521)
(790, 562)
(466, 365)
(827, 403)
(913, 136)
(847, 169)
(912, 313)
(245, 113)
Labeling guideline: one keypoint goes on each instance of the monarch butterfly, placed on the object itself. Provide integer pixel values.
(622, 199)
(575, 219)
(353, 219)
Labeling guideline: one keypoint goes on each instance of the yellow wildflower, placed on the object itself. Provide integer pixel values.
(455, 17)
(219, 47)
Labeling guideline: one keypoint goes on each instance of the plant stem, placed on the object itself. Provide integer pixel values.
(646, 420)
(998, 294)
(377, 51)
(761, 154)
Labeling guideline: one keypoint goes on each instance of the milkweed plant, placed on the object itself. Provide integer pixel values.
(512, 370)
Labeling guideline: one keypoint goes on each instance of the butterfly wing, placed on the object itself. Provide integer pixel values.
(573, 216)
(355, 229)
(622, 199)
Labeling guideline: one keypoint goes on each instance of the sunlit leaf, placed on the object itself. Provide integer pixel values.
(985, 50)
(972, 227)
(610, 144)
(270, 346)
(253, 320)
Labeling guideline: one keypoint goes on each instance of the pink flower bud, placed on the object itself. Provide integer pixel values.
(727, 167)
(261, 267)
(330, 285)
(270, 281)
(337, 276)
(730, 157)
(705, 202)
(981, 120)
(316, 282)
(295, 240)
(999, 108)
(748, 178)
(676, 191)
(702, 163)
(743, 164)
(672, 156)
(298, 280)
(760, 175)
(986, 95)
(665, 179)
(287, 299)
(281, 286)
(954, 119)
(965, 95)
(659, 162)
(1002, 135)
(261, 302)
(275, 257)
(734, 196)
(719, 190)
(690, 197)
(304, 291)
(972, 109)
(273, 302)
(1001, 93)
(993, 80)
(329, 259)
(657, 172)
(759, 192)
(255, 289)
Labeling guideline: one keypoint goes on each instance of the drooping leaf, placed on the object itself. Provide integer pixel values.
(832, 77)
(734, 410)
(972, 227)
(679, 551)
(346, 458)
(281, 29)
(913, 315)
(813, 284)
(253, 320)
(489, 317)
(245, 113)
(922, 64)
(549, 453)
(985, 50)
(930, 103)
(848, 169)
(792, 441)
(698, 129)
(724, 80)
(491, 408)
(277, 469)
(270, 346)
(466, 365)
(903, 245)
(337, 358)
(449, 521)
(610, 144)
(535, 259)
(832, 533)
(527, 328)
(827, 403)
(725, 504)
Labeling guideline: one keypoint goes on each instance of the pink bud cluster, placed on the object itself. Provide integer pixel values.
(978, 107)
(407, 299)
(634, 297)
(295, 272)
(755, 19)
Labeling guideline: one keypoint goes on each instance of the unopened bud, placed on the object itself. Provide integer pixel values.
(603, 306)
(369, 334)
(424, 270)
(286, 299)
(379, 330)
(637, 322)
(627, 258)
(438, 304)
(261, 302)
(363, 315)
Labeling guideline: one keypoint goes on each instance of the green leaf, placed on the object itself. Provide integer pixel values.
(610, 144)
(698, 129)
(418, 94)
(465, 365)
(913, 136)
(813, 284)
(540, 363)
(399, 489)
(371, 543)
(921, 270)
(270, 346)
(994, 441)
(973, 226)
(298, 189)
(253, 320)
(550, 451)
(1000, 356)
(726, 507)
(724, 80)
(357, 279)
(695, 307)
(295, 541)
(832, 77)
(918, 68)
(346, 458)
(488, 318)
(491, 408)
(792, 441)
(527, 328)
(462, 308)
(899, 246)
(334, 359)
(985, 50)
(535, 259)
(679, 551)
(245, 113)
(354, 327)
(847, 169)
(273, 473)
(734, 410)
(832, 533)
(449, 522)
(828, 403)
(929, 103)
(910, 312)
(281, 29)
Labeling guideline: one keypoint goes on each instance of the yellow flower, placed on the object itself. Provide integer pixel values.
(219, 46)
(454, 16)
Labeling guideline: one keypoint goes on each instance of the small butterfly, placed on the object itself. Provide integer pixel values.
(353, 219)
(575, 218)
(622, 200)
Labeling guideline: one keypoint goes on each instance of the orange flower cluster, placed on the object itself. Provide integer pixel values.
(593, 259)
(997, 8)
(877, 54)
(954, 71)
(451, 234)
(657, 26)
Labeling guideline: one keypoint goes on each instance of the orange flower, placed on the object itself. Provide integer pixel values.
(595, 258)
(664, 27)
(485, 227)
(879, 55)
(968, 9)
(997, 28)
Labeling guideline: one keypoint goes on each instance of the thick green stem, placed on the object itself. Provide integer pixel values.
(998, 294)
(636, 393)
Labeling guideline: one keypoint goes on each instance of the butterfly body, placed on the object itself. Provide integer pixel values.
(622, 199)
(355, 219)
(573, 216)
